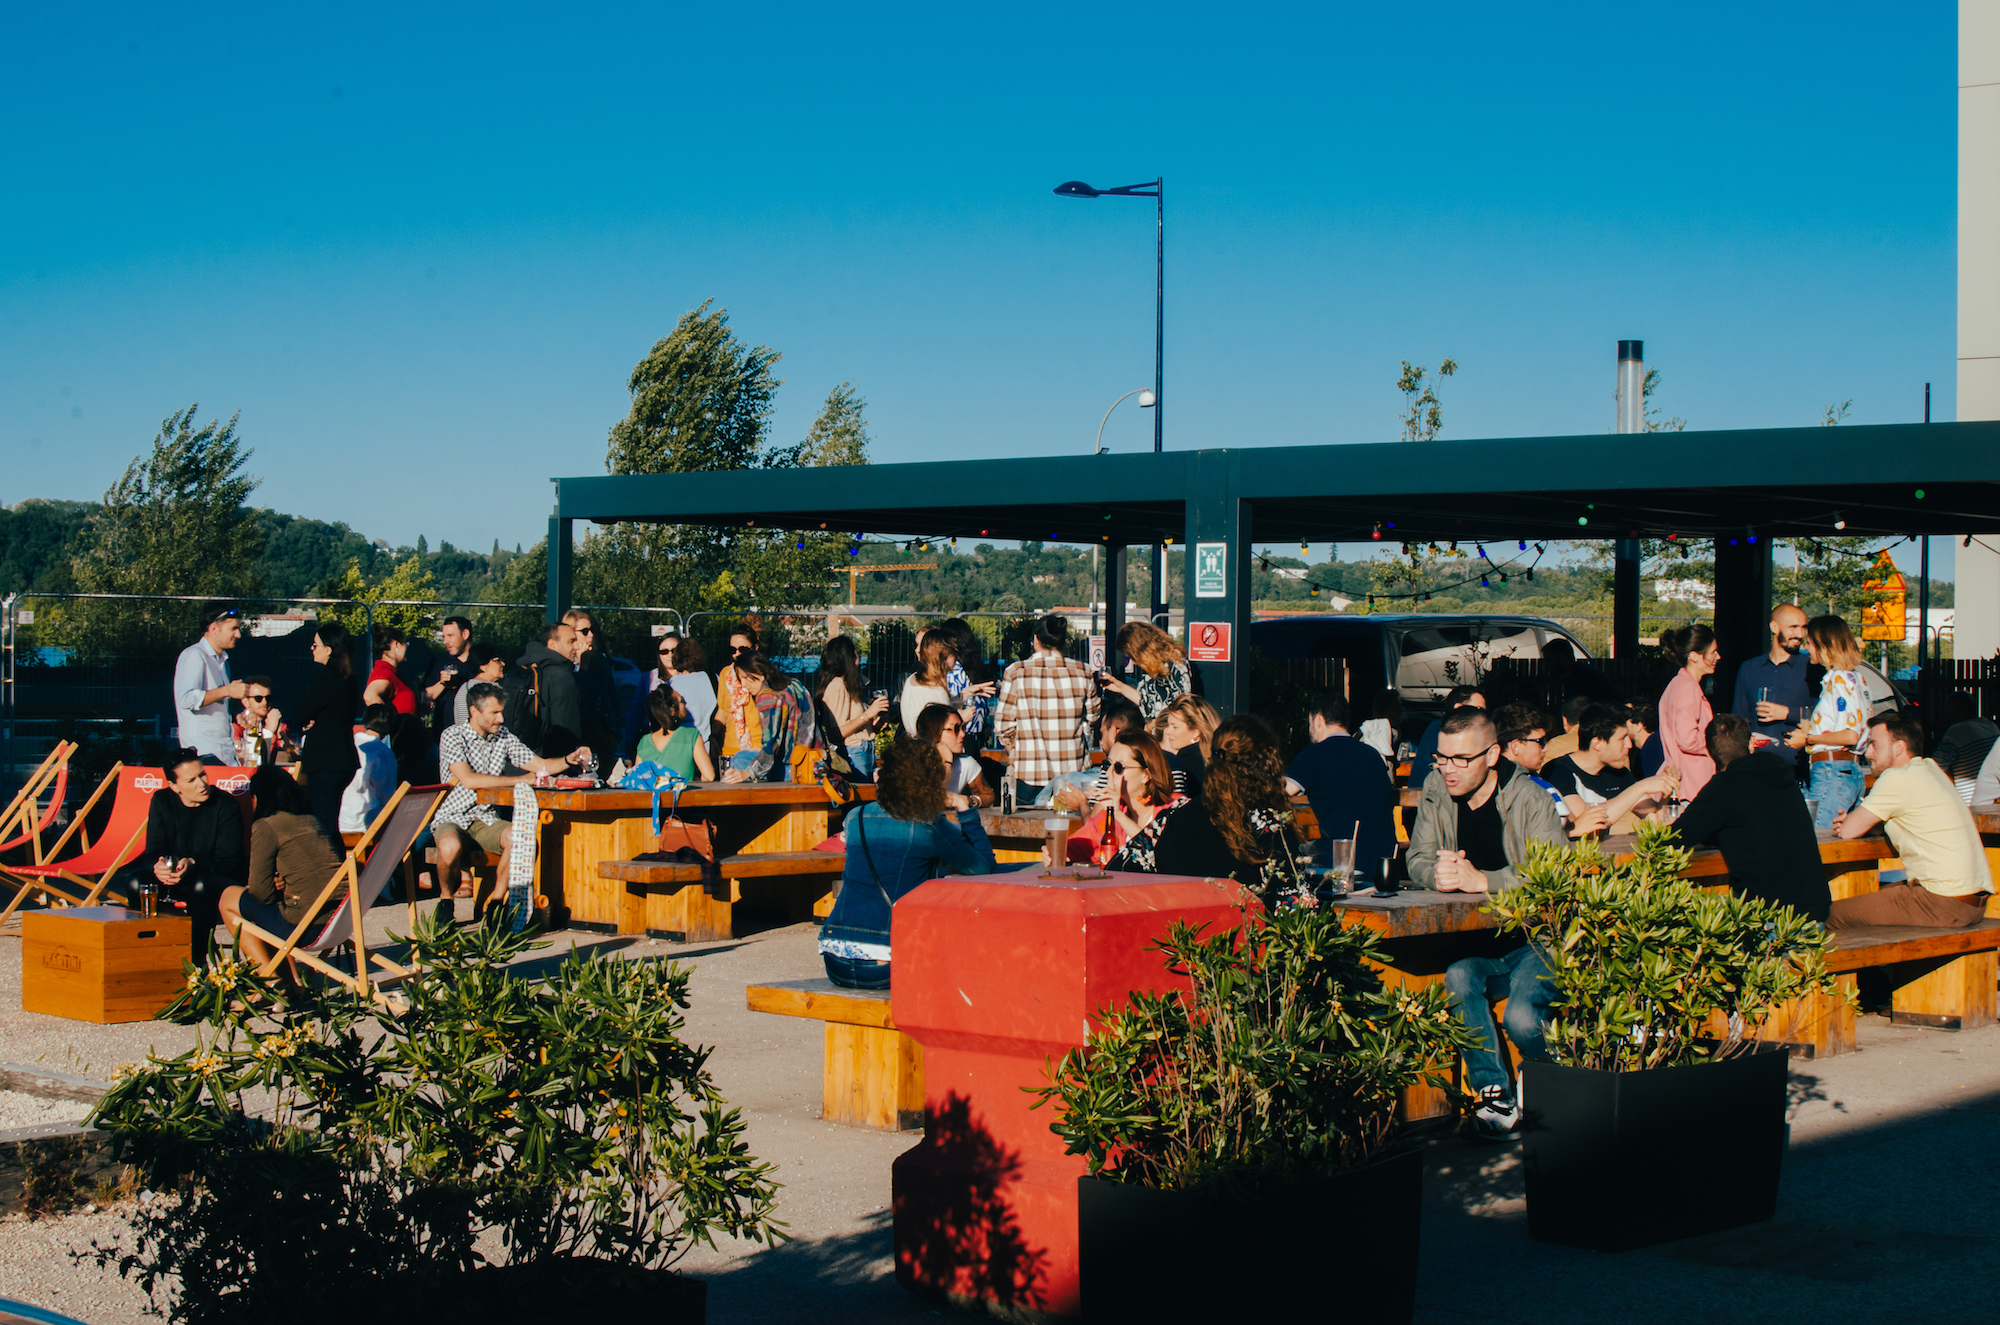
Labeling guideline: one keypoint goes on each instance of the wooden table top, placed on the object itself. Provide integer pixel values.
(1987, 816)
(1025, 823)
(1416, 912)
(696, 796)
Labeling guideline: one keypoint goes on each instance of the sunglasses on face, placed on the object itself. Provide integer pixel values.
(740, 650)
(668, 653)
(953, 728)
(256, 699)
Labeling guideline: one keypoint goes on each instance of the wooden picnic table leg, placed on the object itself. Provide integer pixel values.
(1955, 993)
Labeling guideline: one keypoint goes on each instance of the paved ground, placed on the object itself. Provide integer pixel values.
(1891, 1187)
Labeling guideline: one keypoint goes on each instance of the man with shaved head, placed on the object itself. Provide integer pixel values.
(1780, 677)
(1477, 817)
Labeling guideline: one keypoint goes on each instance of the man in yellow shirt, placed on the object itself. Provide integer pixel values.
(1933, 831)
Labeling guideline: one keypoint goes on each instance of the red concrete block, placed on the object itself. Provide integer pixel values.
(995, 976)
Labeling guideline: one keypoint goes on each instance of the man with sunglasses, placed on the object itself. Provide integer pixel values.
(595, 687)
(259, 716)
(202, 688)
(1478, 815)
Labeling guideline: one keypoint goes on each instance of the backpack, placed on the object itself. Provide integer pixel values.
(523, 711)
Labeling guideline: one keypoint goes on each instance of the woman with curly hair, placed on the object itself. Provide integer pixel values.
(1164, 670)
(1243, 829)
(895, 842)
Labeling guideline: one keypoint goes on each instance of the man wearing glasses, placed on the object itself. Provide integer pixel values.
(202, 688)
(599, 693)
(1478, 815)
(259, 716)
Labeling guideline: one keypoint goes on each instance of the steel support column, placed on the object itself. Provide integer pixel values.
(1215, 514)
(1625, 599)
(562, 567)
(1742, 609)
(1113, 590)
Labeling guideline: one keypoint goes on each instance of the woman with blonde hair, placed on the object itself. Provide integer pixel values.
(1837, 724)
(1185, 728)
(1684, 712)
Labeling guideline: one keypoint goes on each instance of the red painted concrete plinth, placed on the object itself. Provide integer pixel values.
(995, 976)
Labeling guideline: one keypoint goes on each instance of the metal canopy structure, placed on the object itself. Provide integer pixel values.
(1887, 480)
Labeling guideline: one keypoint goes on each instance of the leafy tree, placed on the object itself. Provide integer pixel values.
(406, 579)
(1652, 418)
(701, 401)
(300, 554)
(175, 523)
(37, 541)
(1423, 414)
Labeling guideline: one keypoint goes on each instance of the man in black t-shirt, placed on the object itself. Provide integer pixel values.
(1596, 783)
(1478, 815)
(450, 669)
(1753, 811)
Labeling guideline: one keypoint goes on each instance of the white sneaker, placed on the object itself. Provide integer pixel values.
(1497, 1117)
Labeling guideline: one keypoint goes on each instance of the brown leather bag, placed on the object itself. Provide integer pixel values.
(675, 833)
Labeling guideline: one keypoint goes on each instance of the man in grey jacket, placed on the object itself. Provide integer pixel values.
(1478, 815)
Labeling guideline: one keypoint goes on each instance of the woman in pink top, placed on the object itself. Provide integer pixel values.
(1684, 710)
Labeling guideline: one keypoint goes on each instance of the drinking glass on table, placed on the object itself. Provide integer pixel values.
(1340, 866)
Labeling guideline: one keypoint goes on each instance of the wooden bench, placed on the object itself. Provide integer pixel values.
(874, 1074)
(746, 865)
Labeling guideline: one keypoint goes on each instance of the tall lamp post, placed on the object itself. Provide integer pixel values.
(1157, 191)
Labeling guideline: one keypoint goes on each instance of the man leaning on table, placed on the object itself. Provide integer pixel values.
(1932, 830)
(1478, 815)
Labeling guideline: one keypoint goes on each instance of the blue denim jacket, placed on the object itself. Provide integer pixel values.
(897, 855)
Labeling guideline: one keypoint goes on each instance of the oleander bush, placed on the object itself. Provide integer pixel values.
(317, 1150)
(1283, 1062)
(1651, 970)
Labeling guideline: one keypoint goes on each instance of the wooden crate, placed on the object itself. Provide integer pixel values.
(101, 963)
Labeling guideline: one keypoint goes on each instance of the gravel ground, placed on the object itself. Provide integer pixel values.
(1884, 1214)
(18, 1109)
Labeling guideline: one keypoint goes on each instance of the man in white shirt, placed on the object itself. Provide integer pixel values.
(202, 688)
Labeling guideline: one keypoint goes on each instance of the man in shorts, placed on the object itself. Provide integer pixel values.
(477, 754)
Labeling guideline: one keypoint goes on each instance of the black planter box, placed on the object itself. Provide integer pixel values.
(1150, 1255)
(1616, 1160)
(565, 1288)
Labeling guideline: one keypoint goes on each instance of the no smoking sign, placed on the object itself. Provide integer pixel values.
(1208, 641)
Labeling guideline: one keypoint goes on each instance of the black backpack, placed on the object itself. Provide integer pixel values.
(523, 711)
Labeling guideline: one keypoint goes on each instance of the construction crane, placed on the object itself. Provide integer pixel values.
(854, 573)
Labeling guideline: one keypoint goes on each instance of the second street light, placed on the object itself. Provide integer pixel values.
(1157, 191)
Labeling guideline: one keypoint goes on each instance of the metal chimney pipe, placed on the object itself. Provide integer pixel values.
(1631, 385)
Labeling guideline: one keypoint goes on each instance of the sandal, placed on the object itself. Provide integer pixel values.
(463, 894)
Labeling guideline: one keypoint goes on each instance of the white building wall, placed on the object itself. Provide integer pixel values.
(1977, 635)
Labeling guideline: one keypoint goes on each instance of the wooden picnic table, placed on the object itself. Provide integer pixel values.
(580, 828)
(1020, 836)
(1424, 932)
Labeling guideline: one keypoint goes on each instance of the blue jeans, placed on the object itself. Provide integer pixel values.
(1836, 785)
(863, 758)
(1475, 983)
(856, 972)
(780, 772)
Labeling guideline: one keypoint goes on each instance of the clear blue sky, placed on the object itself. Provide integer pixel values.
(420, 249)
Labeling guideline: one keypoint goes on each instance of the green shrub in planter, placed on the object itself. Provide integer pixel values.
(317, 1153)
(1641, 957)
(1264, 1098)
(1655, 1118)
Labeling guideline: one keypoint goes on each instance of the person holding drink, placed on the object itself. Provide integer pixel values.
(1771, 690)
(1836, 725)
(1685, 711)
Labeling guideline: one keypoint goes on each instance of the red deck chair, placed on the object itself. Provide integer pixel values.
(82, 879)
(20, 812)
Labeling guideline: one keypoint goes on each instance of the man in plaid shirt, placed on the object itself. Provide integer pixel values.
(473, 755)
(1048, 704)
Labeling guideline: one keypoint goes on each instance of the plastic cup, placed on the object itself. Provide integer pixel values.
(1057, 832)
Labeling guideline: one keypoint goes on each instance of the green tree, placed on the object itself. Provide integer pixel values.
(406, 579)
(175, 523)
(1423, 413)
(1651, 412)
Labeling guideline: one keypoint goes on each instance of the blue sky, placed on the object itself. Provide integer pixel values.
(420, 248)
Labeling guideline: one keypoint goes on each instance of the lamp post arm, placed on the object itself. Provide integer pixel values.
(1098, 449)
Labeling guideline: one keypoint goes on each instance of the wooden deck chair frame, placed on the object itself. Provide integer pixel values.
(93, 889)
(20, 812)
(355, 907)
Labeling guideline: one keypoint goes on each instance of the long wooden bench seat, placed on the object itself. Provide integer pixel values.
(874, 1074)
(700, 917)
(1943, 978)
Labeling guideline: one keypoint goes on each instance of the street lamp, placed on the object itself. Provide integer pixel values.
(1157, 190)
(1146, 401)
